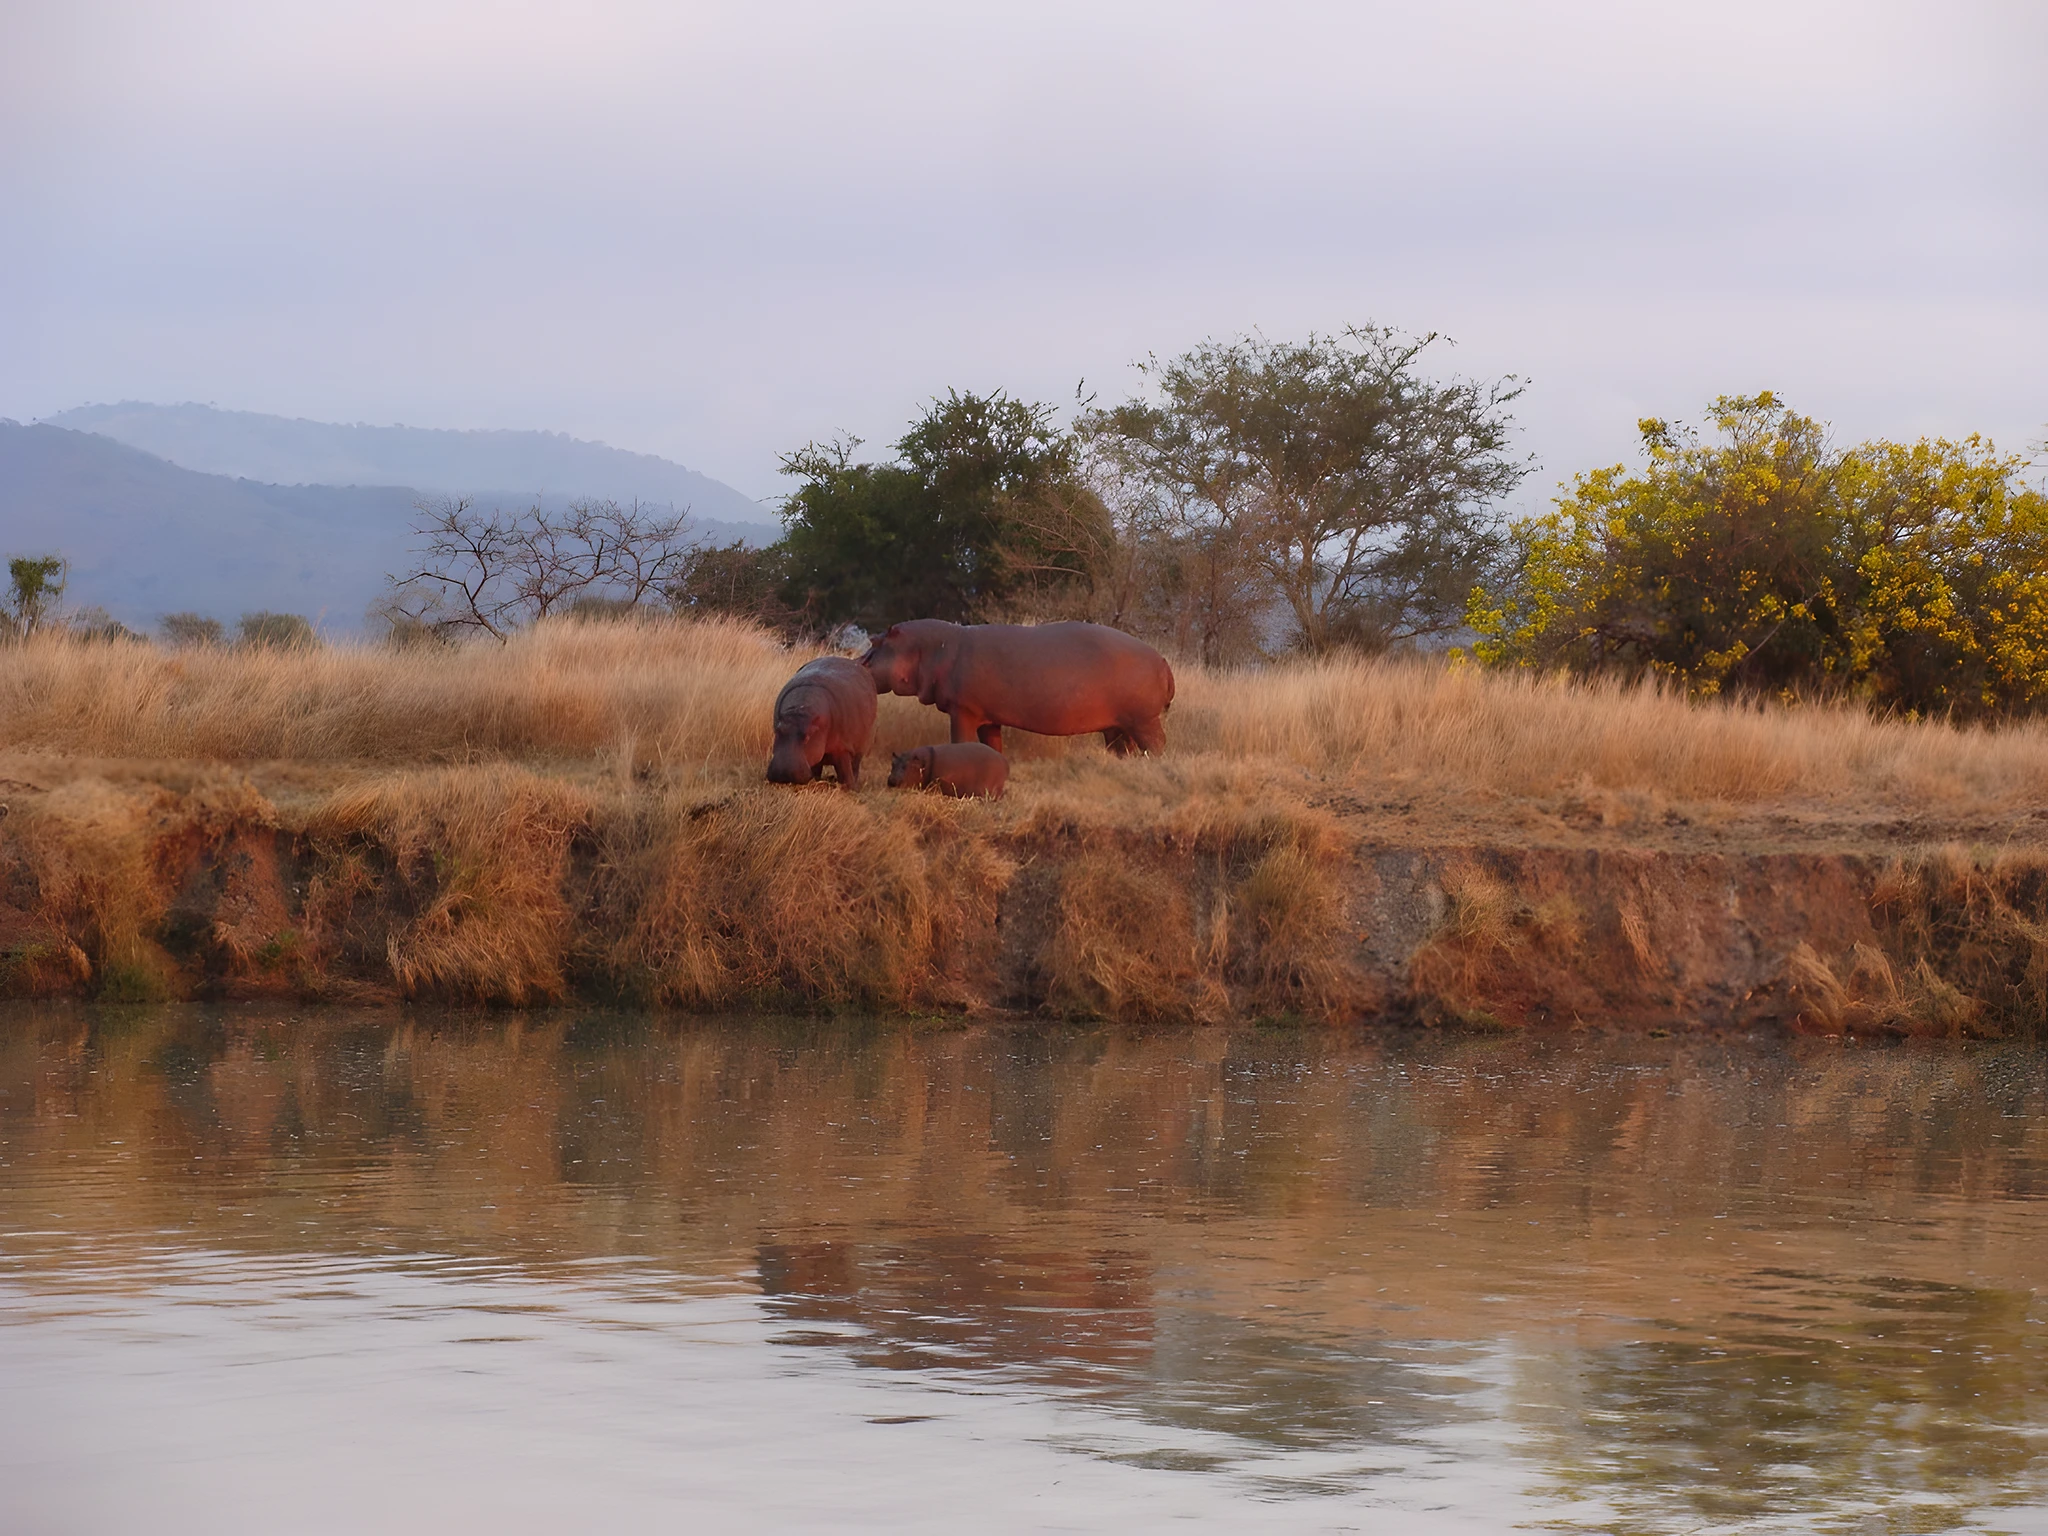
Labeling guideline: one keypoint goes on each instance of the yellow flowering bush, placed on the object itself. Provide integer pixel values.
(1770, 563)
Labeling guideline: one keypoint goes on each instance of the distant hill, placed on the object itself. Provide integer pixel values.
(279, 450)
(146, 537)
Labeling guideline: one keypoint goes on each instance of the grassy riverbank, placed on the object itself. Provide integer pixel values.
(690, 702)
(580, 813)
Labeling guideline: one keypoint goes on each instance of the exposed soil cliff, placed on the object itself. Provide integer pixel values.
(499, 884)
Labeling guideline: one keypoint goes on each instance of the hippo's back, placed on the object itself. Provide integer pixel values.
(846, 687)
(1030, 663)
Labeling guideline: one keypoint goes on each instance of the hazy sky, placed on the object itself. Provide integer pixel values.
(716, 231)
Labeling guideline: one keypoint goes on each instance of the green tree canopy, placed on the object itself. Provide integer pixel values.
(35, 586)
(277, 632)
(1769, 562)
(973, 515)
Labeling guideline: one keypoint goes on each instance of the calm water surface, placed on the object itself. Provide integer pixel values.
(337, 1272)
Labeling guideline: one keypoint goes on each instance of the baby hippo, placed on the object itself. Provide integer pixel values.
(966, 768)
(825, 714)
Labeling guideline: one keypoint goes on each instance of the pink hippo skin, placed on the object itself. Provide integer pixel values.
(825, 714)
(1055, 679)
(966, 770)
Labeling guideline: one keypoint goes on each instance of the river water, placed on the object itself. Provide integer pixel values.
(335, 1271)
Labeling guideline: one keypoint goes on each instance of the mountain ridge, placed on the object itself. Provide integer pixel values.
(489, 462)
(146, 537)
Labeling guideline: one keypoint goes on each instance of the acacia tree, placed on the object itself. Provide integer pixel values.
(1360, 489)
(1180, 568)
(493, 571)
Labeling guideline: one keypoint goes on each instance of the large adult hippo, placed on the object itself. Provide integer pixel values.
(1055, 679)
(824, 714)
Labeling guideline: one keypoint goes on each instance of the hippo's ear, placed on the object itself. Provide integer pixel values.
(892, 632)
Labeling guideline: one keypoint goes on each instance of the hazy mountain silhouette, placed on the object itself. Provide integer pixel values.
(146, 537)
(279, 450)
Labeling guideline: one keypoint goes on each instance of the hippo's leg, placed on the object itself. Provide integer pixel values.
(1148, 735)
(854, 759)
(969, 727)
(846, 767)
(1117, 740)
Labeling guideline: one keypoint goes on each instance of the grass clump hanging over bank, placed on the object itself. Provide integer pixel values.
(454, 879)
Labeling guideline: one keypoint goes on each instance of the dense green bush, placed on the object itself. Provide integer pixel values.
(972, 519)
(193, 629)
(277, 631)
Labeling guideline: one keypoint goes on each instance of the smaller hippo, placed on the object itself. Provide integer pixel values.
(966, 768)
(825, 714)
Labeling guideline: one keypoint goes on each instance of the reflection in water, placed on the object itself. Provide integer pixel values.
(1621, 1285)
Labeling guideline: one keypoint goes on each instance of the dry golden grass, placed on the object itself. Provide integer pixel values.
(485, 849)
(1520, 734)
(690, 702)
(815, 895)
(680, 693)
(581, 812)
(106, 861)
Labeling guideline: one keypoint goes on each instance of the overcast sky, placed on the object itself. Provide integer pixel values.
(717, 231)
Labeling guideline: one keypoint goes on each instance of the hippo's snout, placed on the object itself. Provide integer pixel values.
(788, 766)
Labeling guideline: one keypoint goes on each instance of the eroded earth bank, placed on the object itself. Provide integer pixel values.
(1161, 891)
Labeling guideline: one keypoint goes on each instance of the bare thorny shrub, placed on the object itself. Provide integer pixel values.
(493, 572)
(1157, 564)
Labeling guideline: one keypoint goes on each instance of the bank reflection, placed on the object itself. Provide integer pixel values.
(1694, 1283)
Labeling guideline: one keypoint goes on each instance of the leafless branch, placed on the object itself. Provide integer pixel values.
(495, 571)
